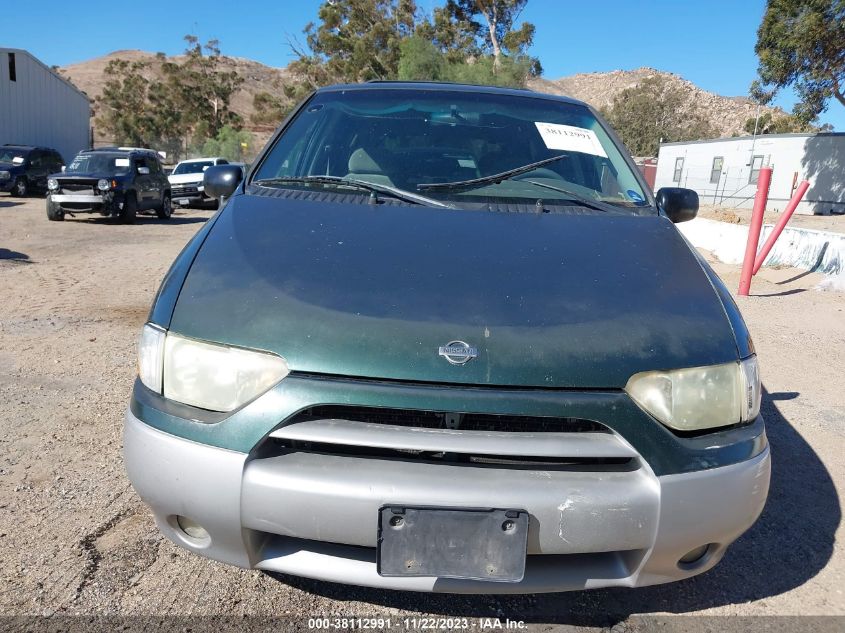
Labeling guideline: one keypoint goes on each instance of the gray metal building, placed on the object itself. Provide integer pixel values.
(724, 171)
(39, 107)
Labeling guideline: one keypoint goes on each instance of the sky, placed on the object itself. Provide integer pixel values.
(710, 43)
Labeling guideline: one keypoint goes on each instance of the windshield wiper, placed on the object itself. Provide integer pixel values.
(407, 196)
(581, 200)
(462, 185)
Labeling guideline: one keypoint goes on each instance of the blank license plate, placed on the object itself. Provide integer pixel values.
(477, 544)
(182, 201)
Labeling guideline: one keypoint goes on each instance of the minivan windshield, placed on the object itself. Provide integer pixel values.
(195, 167)
(99, 163)
(455, 146)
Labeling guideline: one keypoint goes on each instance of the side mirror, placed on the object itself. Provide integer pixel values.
(64, 167)
(220, 181)
(678, 204)
(144, 171)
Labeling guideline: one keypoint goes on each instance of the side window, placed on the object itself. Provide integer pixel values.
(679, 168)
(222, 161)
(137, 163)
(58, 161)
(155, 167)
(716, 170)
(34, 159)
(756, 164)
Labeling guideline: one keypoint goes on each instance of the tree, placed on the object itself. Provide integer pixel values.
(357, 40)
(269, 109)
(201, 89)
(230, 143)
(777, 124)
(801, 43)
(135, 110)
(163, 103)
(464, 40)
(652, 111)
(421, 60)
(467, 29)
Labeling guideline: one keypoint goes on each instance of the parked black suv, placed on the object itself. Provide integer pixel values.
(24, 168)
(111, 181)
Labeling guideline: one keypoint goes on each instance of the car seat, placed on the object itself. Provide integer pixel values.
(362, 166)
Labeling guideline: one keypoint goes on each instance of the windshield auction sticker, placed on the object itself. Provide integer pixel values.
(570, 138)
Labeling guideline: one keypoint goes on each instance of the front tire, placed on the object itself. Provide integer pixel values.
(54, 211)
(20, 188)
(129, 210)
(166, 209)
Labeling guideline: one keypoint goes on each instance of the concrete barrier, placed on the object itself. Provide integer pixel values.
(807, 249)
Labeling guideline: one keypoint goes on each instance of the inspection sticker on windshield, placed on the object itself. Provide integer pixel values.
(571, 138)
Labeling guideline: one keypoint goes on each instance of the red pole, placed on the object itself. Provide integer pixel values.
(773, 236)
(764, 179)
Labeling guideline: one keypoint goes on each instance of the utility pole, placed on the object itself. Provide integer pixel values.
(754, 137)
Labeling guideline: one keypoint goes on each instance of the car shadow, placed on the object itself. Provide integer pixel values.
(791, 542)
(14, 256)
(140, 221)
(175, 219)
(9, 203)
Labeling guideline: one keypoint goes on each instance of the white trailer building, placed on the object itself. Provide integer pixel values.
(724, 171)
(39, 107)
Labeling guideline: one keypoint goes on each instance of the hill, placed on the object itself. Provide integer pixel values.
(726, 114)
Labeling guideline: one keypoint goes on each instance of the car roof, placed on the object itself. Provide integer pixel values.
(25, 148)
(121, 150)
(201, 160)
(436, 86)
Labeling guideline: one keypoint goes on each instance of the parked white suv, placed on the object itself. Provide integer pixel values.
(186, 182)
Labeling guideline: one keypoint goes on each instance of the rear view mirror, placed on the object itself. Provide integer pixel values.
(677, 203)
(220, 181)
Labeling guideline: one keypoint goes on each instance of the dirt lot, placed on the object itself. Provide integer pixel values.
(75, 539)
(833, 223)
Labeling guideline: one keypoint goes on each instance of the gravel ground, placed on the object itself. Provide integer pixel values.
(832, 223)
(75, 539)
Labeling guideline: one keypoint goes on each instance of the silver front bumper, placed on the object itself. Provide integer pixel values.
(315, 515)
(86, 198)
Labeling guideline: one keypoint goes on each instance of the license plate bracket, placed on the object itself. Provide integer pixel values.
(468, 543)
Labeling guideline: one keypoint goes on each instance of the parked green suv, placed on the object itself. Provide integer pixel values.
(24, 169)
(112, 181)
(444, 338)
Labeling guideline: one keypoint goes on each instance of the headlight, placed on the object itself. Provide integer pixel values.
(151, 356)
(103, 184)
(700, 398)
(5, 175)
(205, 375)
(52, 184)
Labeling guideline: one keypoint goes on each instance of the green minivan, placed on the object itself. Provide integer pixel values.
(444, 338)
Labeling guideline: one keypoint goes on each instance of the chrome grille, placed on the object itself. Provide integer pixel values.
(77, 188)
(184, 190)
(446, 420)
(476, 439)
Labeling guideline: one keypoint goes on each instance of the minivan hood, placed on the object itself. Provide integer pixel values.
(549, 300)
